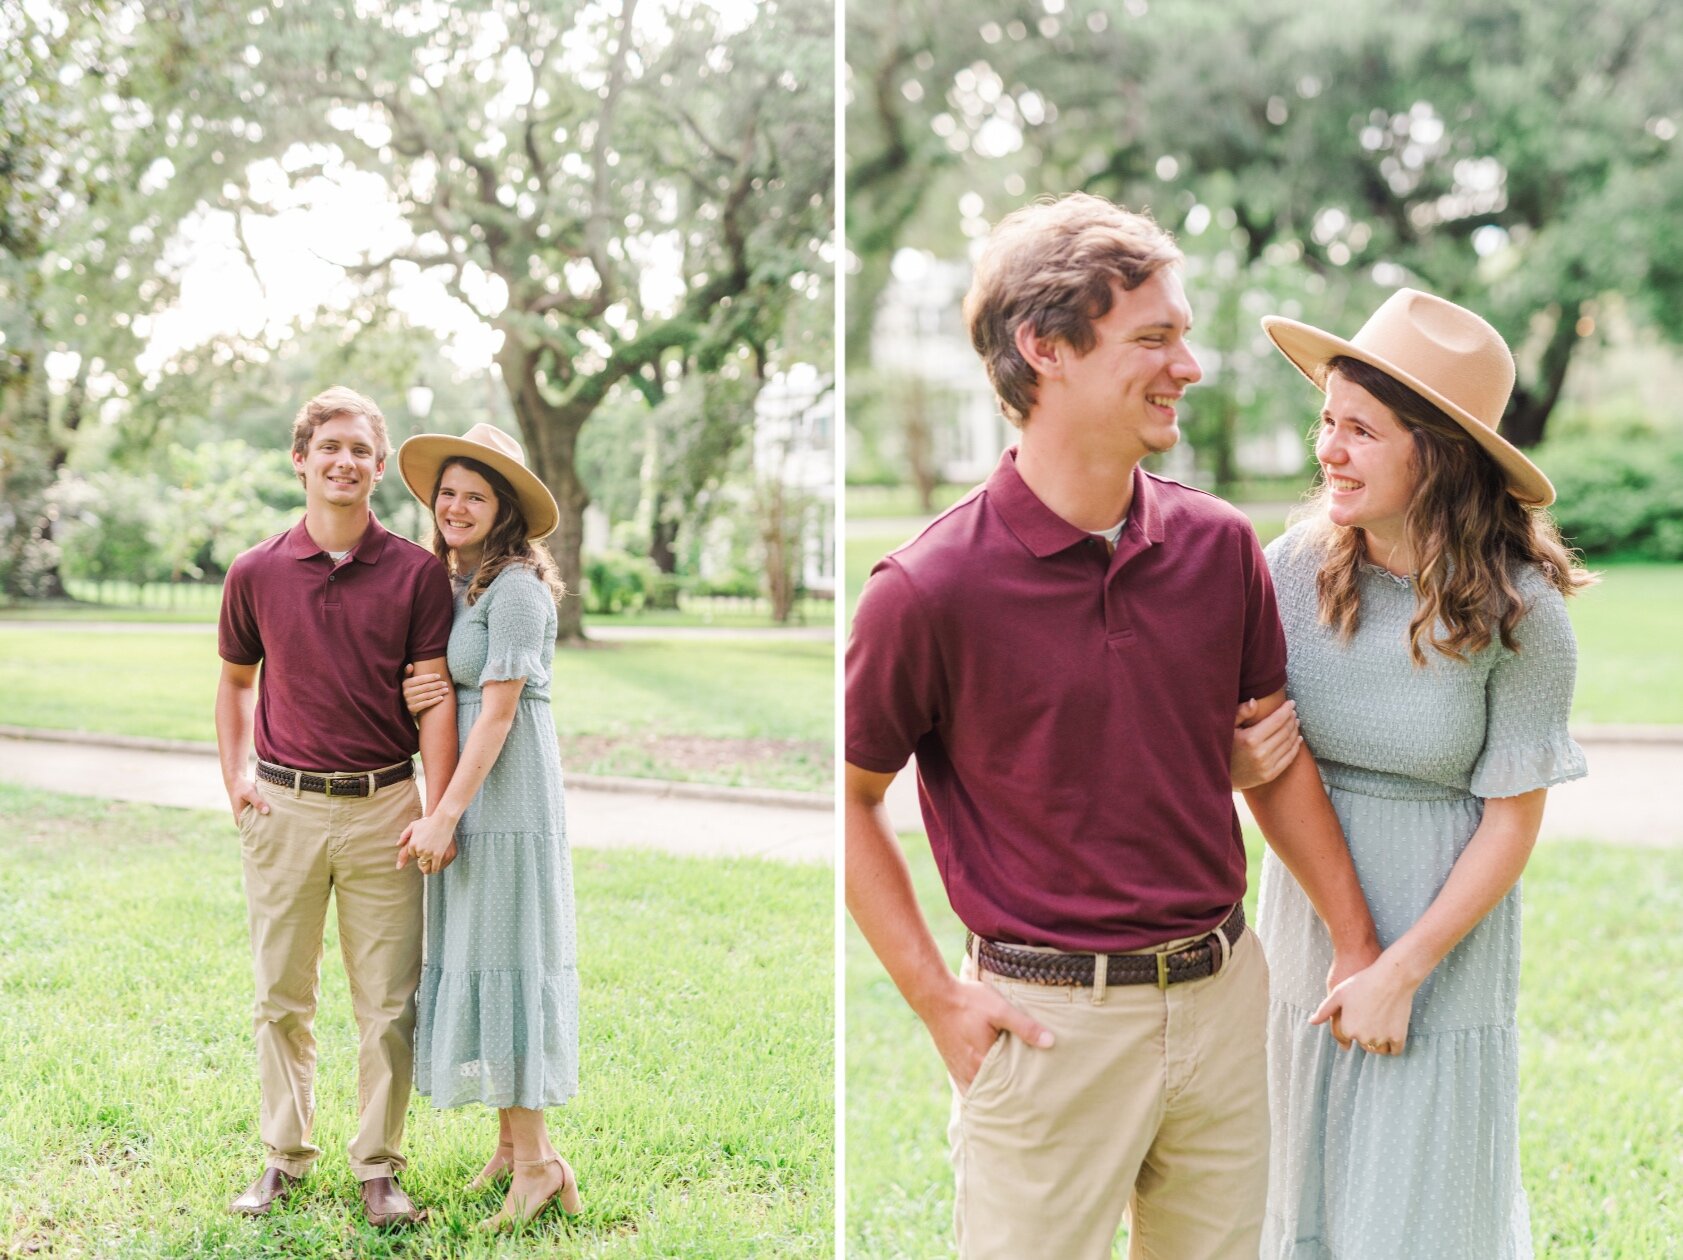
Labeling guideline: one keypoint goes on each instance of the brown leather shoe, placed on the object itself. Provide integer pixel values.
(262, 1194)
(385, 1204)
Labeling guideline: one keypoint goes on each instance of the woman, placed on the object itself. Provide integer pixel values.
(497, 1010)
(1432, 662)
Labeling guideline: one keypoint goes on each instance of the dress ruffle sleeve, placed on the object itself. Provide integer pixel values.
(519, 619)
(1528, 698)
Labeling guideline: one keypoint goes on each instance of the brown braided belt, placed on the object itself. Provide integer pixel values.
(361, 783)
(1195, 962)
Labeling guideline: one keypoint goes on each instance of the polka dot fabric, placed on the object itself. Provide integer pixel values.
(498, 1009)
(1412, 1157)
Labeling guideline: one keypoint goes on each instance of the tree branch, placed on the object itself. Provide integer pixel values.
(596, 224)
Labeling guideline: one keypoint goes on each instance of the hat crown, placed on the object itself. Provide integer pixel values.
(1446, 347)
(490, 435)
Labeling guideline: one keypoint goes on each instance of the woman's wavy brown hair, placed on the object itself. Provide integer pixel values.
(1469, 537)
(506, 544)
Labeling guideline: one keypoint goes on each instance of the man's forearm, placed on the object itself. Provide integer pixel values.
(234, 707)
(1302, 829)
(438, 748)
(882, 901)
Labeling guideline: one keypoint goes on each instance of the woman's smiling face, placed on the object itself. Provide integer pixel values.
(1367, 461)
(464, 509)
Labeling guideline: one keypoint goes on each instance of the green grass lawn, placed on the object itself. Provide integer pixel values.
(128, 1090)
(1601, 1082)
(195, 603)
(745, 712)
(1630, 653)
(866, 503)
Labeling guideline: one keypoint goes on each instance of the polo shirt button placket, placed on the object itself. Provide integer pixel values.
(1119, 630)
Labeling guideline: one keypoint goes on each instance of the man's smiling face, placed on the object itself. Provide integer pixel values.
(1125, 389)
(340, 467)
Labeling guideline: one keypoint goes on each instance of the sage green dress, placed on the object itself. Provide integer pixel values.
(1410, 1157)
(497, 1014)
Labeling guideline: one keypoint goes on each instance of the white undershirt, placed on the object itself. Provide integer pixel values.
(1113, 535)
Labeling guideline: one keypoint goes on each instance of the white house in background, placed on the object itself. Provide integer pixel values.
(919, 331)
(794, 442)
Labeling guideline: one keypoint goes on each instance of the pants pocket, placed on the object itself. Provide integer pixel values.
(993, 1075)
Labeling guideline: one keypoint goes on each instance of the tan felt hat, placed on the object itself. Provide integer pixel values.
(419, 459)
(1441, 351)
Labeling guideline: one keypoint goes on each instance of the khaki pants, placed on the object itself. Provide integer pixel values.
(1154, 1100)
(308, 846)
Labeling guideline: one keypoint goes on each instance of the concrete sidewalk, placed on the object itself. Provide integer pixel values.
(692, 820)
(1626, 798)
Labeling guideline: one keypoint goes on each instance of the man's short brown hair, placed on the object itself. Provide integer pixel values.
(337, 400)
(1054, 266)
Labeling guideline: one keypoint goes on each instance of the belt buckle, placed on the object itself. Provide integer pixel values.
(354, 784)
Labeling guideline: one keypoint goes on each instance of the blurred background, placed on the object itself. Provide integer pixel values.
(618, 248)
(1309, 158)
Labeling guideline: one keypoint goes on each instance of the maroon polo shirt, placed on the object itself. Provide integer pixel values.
(333, 640)
(1071, 711)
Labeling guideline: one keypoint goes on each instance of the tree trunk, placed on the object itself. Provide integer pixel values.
(32, 458)
(1224, 432)
(1531, 405)
(566, 544)
(663, 541)
(864, 293)
(51, 584)
(920, 445)
(663, 551)
(780, 569)
(551, 435)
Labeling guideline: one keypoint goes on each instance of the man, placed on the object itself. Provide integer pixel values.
(1064, 651)
(333, 609)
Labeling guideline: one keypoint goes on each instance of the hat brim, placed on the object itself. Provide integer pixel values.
(1310, 349)
(420, 458)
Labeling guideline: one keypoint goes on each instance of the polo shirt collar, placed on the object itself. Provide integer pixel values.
(300, 546)
(1043, 531)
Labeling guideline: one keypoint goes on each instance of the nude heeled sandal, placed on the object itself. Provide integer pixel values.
(485, 1178)
(567, 1194)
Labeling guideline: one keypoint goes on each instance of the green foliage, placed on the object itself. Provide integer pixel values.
(616, 581)
(545, 163)
(1520, 158)
(735, 584)
(190, 520)
(84, 223)
(1619, 495)
(113, 527)
(566, 154)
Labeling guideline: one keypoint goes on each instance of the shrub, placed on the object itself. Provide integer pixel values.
(617, 582)
(733, 584)
(1620, 496)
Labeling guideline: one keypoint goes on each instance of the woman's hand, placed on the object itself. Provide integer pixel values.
(1263, 748)
(422, 691)
(431, 841)
(1371, 1008)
